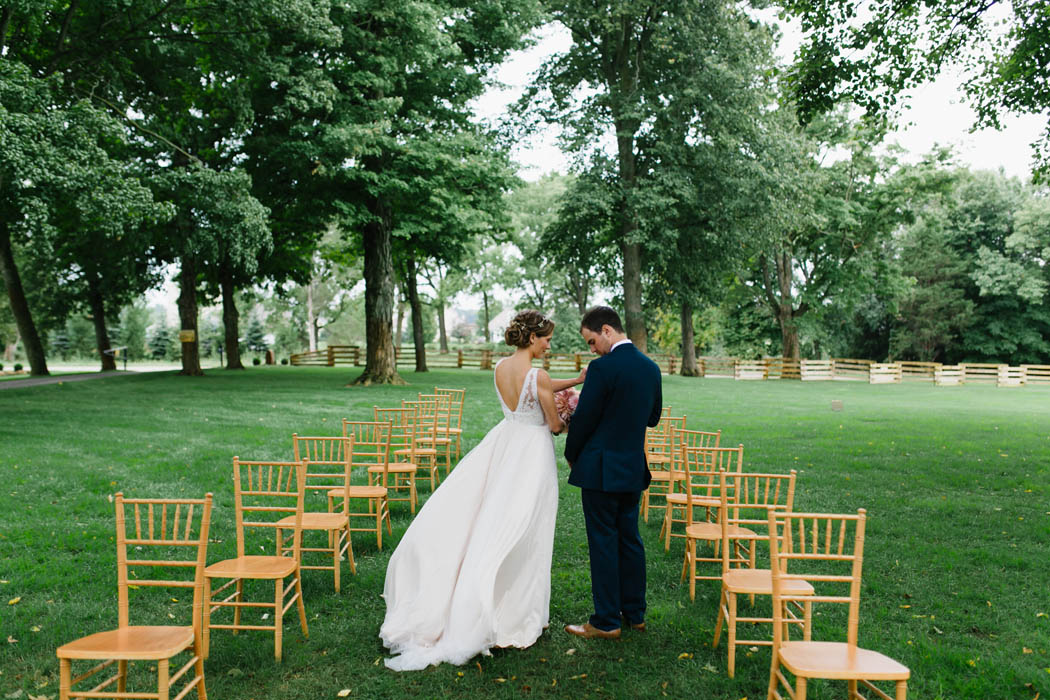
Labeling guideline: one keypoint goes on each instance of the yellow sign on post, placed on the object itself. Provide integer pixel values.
(187, 336)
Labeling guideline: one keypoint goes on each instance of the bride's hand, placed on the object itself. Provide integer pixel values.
(583, 375)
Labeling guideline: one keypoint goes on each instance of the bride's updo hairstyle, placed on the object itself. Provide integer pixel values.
(519, 332)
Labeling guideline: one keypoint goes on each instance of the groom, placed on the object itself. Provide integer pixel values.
(605, 449)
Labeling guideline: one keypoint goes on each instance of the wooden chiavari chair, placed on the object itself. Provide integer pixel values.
(174, 537)
(327, 471)
(744, 524)
(819, 549)
(264, 494)
(401, 467)
(455, 424)
(371, 457)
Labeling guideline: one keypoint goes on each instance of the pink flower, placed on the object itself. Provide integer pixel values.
(565, 402)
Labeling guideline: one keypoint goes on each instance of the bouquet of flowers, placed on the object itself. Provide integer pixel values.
(565, 402)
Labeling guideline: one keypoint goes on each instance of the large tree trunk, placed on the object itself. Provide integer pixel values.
(191, 358)
(441, 328)
(9, 351)
(98, 319)
(20, 307)
(311, 317)
(689, 367)
(399, 295)
(488, 319)
(380, 363)
(417, 314)
(230, 321)
(779, 299)
(634, 318)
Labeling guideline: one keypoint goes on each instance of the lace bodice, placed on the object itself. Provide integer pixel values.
(528, 410)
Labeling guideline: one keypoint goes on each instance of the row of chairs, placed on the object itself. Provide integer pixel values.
(157, 536)
(704, 488)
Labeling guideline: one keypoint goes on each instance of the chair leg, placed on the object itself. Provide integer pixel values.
(667, 528)
(692, 569)
(731, 632)
(774, 666)
(122, 676)
(162, 679)
(807, 625)
(202, 692)
(206, 619)
(851, 685)
(902, 690)
(645, 505)
(278, 617)
(301, 604)
(65, 676)
(237, 608)
(721, 617)
(379, 524)
(335, 540)
(800, 688)
(350, 550)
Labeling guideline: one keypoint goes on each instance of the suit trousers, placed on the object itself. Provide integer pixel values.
(617, 557)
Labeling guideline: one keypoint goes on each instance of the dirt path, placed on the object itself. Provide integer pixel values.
(39, 381)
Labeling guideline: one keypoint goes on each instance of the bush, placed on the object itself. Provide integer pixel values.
(284, 361)
(18, 366)
(256, 361)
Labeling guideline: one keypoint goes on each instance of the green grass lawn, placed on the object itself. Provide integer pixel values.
(957, 555)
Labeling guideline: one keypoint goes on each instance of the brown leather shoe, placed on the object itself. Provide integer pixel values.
(589, 631)
(638, 626)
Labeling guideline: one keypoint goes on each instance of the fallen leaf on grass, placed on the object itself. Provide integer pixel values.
(14, 694)
(570, 652)
(710, 668)
(11, 640)
(685, 655)
(579, 677)
(14, 601)
(500, 680)
(38, 697)
(343, 693)
(1026, 650)
(36, 628)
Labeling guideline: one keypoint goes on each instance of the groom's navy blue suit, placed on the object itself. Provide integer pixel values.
(606, 448)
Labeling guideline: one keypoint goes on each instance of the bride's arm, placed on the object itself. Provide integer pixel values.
(545, 389)
(559, 384)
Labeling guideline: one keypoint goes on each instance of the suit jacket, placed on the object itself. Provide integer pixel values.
(606, 443)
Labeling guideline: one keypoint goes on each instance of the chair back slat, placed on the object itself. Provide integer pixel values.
(818, 548)
(268, 488)
(182, 544)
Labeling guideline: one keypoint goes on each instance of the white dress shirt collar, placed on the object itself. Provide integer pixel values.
(625, 341)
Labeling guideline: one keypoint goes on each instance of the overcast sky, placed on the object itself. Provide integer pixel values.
(937, 115)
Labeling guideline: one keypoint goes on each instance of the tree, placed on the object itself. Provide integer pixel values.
(56, 172)
(872, 57)
(628, 62)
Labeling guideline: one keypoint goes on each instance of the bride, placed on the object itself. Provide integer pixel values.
(473, 571)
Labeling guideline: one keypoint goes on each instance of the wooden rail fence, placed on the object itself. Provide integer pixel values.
(835, 369)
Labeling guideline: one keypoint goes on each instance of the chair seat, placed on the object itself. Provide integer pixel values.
(760, 582)
(713, 531)
(261, 567)
(832, 660)
(701, 501)
(664, 475)
(368, 491)
(318, 521)
(424, 451)
(657, 458)
(130, 643)
(395, 468)
(455, 431)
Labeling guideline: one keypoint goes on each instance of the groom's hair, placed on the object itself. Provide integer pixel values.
(598, 316)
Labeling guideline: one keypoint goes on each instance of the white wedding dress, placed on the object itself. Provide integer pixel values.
(473, 571)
